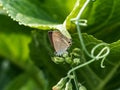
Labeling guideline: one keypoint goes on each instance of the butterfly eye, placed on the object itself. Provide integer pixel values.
(69, 42)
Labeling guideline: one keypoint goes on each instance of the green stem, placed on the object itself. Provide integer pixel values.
(69, 25)
(82, 9)
(77, 67)
(78, 27)
(75, 80)
(81, 39)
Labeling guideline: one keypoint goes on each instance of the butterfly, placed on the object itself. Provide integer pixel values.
(59, 42)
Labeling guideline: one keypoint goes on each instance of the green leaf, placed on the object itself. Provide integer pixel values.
(103, 19)
(102, 16)
(42, 14)
(114, 54)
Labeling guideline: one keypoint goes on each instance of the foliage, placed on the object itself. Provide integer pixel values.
(25, 50)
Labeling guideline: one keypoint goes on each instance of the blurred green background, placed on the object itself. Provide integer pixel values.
(25, 50)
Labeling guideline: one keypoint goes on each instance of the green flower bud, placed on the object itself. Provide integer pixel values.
(82, 88)
(60, 84)
(68, 86)
(68, 60)
(65, 54)
(76, 54)
(76, 50)
(76, 61)
(58, 60)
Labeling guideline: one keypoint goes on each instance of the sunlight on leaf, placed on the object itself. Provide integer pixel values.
(38, 14)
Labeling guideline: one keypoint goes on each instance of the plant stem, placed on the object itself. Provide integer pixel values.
(75, 80)
(78, 27)
(77, 67)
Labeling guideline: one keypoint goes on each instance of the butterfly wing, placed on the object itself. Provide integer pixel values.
(60, 42)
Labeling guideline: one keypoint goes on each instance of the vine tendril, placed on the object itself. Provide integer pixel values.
(97, 57)
(102, 53)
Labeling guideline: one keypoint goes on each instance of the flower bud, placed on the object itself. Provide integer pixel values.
(76, 50)
(81, 87)
(76, 61)
(76, 54)
(68, 86)
(60, 84)
(65, 54)
(58, 60)
(68, 60)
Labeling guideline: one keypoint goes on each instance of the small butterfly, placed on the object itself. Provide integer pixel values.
(59, 42)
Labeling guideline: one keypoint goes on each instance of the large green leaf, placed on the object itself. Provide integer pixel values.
(43, 14)
(103, 19)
